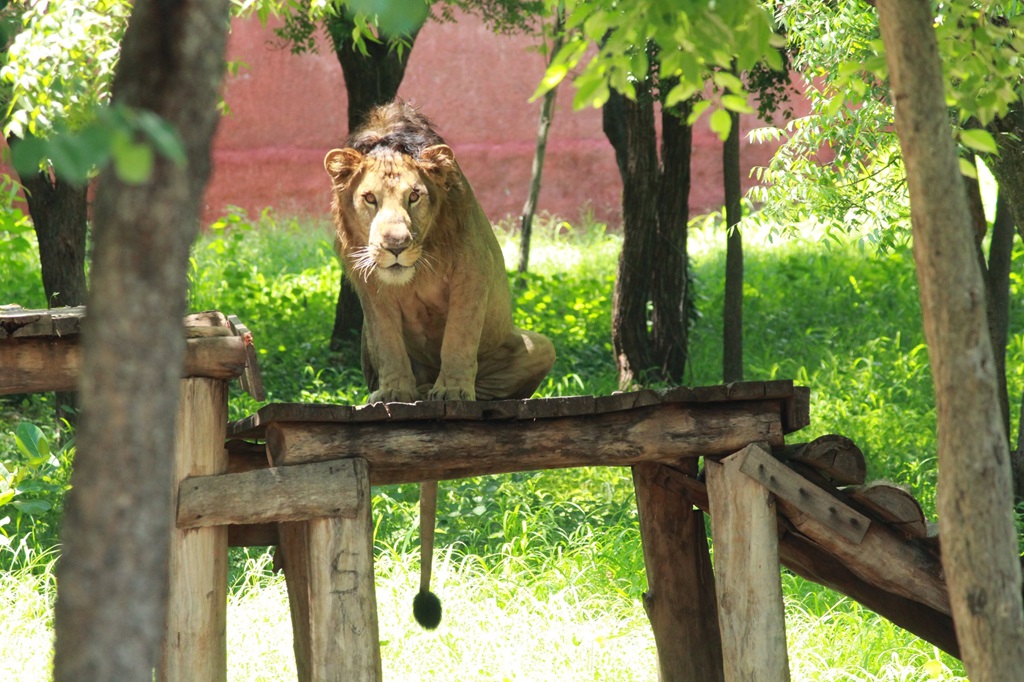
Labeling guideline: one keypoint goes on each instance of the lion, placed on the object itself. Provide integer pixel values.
(430, 275)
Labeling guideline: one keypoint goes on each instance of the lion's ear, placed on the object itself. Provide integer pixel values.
(439, 161)
(341, 164)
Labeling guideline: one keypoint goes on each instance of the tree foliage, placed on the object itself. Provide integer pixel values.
(841, 164)
(605, 50)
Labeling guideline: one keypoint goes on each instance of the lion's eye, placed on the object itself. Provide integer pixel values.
(370, 198)
(414, 196)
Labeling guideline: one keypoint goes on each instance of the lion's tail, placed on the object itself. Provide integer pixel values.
(426, 607)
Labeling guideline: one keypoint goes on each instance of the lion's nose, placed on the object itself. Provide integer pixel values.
(396, 250)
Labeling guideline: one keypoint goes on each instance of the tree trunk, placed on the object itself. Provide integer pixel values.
(732, 313)
(639, 165)
(997, 289)
(670, 268)
(649, 316)
(370, 80)
(547, 105)
(112, 575)
(59, 213)
(975, 499)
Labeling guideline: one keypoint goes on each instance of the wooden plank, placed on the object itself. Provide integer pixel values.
(804, 495)
(890, 503)
(680, 596)
(837, 458)
(751, 614)
(657, 433)
(290, 493)
(194, 644)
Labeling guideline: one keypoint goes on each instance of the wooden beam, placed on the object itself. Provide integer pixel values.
(45, 363)
(410, 451)
(892, 504)
(291, 493)
(810, 499)
(750, 609)
(194, 644)
(680, 598)
(883, 558)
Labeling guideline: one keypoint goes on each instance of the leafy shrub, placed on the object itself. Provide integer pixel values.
(32, 489)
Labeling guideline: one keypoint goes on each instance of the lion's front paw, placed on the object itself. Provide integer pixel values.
(452, 393)
(393, 395)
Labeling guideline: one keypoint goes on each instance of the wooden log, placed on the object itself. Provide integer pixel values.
(883, 558)
(37, 364)
(294, 554)
(658, 433)
(291, 493)
(194, 645)
(890, 503)
(750, 609)
(333, 556)
(808, 498)
(837, 458)
(46, 363)
(680, 598)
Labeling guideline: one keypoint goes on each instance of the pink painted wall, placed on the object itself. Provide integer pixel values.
(287, 111)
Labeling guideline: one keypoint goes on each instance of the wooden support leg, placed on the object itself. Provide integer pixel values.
(750, 609)
(194, 646)
(329, 567)
(680, 597)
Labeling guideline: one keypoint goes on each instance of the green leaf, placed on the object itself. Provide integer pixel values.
(727, 81)
(133, 162)
(737, 104)
(32, 507)
(979, 140)
(720, 123)
(698, 109)
(967, 168)
(32, 442)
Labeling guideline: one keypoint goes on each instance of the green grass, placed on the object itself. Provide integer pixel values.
(541, 574)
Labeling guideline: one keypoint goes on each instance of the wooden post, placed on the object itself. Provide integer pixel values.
(194, 646)
(329, 567)
(750, 609)
(680, 597)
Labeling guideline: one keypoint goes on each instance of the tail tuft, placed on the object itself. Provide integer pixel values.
(426, 608)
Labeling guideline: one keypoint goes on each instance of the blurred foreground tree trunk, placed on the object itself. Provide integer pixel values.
(649, 316)
(112, 575)
(371, 79)
(975, 497)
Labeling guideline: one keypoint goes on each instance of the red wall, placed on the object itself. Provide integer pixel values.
(287, 111)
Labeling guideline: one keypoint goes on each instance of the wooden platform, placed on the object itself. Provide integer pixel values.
(445, 440)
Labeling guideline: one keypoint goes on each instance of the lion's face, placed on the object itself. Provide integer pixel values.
(387, 203)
